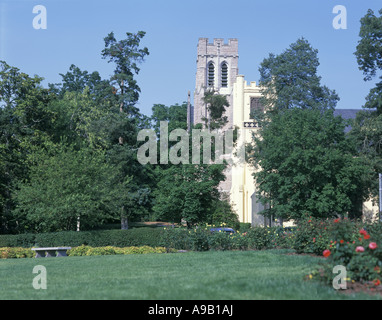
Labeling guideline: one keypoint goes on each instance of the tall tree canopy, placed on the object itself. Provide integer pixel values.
(87, 118)
(367, 127)
(289, 80)
(305, 162)
(306, 165)
(126, 54)
(188, 192)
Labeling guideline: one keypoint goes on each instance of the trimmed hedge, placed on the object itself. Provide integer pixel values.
(100, 238)
(13, 253)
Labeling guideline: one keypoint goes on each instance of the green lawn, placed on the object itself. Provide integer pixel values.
(179, 276)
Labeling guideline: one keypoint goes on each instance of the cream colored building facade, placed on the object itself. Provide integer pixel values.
(243, 188)
(217, 68)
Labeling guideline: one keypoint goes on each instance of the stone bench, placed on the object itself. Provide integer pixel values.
(51, 252)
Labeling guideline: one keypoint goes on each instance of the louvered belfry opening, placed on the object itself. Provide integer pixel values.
(224, 75)
(211, 74)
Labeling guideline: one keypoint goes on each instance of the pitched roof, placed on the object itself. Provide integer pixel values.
(347, 113)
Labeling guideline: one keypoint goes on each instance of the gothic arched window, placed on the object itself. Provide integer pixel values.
(255, 107)
(224, 75)
(211, 75)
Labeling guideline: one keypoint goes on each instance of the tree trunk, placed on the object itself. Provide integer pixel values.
(124, 219)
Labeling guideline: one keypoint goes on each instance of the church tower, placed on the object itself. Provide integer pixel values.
(217, 68)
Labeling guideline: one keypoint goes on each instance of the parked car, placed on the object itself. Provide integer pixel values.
(228, 230)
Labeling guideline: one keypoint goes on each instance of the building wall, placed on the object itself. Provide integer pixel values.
(243, 189)
(370, 211)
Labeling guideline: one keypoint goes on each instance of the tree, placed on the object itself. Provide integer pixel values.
(369, 48)
(216, 106)
(289, 80)
(175, 115)
(187, 192)
(24, 118)
(367, 127)
(369, 56)
(126, 55)
(88, 113)
(307, 165)
(68, 188)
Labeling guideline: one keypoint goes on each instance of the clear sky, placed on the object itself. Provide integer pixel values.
(76, 28)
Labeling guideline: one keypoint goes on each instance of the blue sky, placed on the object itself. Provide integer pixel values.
(76, 28)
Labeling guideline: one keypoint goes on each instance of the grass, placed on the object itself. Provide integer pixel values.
(233, 275)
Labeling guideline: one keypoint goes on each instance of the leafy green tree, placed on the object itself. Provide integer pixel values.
(289, 80)
(369, 48)
(216, 106)
(307, 165)
(187, 192)
(126, 55)
(24, 119)
(79, 118)
(175, 116)
(76, 80)
(68, 188)
(369, 56)
(223, 213)
(367, 127)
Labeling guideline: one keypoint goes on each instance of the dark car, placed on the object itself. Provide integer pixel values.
(228, 230)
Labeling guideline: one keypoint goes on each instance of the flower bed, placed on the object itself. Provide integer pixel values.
(202, 238)
(355, 247)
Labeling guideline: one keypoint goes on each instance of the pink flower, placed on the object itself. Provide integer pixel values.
(373, 245)
(359, 249)
(326, 253)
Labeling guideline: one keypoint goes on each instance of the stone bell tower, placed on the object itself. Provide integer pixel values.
(217, 68)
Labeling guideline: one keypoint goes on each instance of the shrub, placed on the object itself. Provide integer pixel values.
(240, 241)
(9, 253)
(78, 251)
(200, 238)
(353, 247)
(283, 238)
(100, 251)
(177, 238)
(311, 235)
(260, 238)
(110, 250)
(222, 241)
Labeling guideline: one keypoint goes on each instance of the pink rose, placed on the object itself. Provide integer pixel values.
(373, 245)
(359, 249)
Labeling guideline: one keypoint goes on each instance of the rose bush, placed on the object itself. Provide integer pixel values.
(353, 247)
(311, 235)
